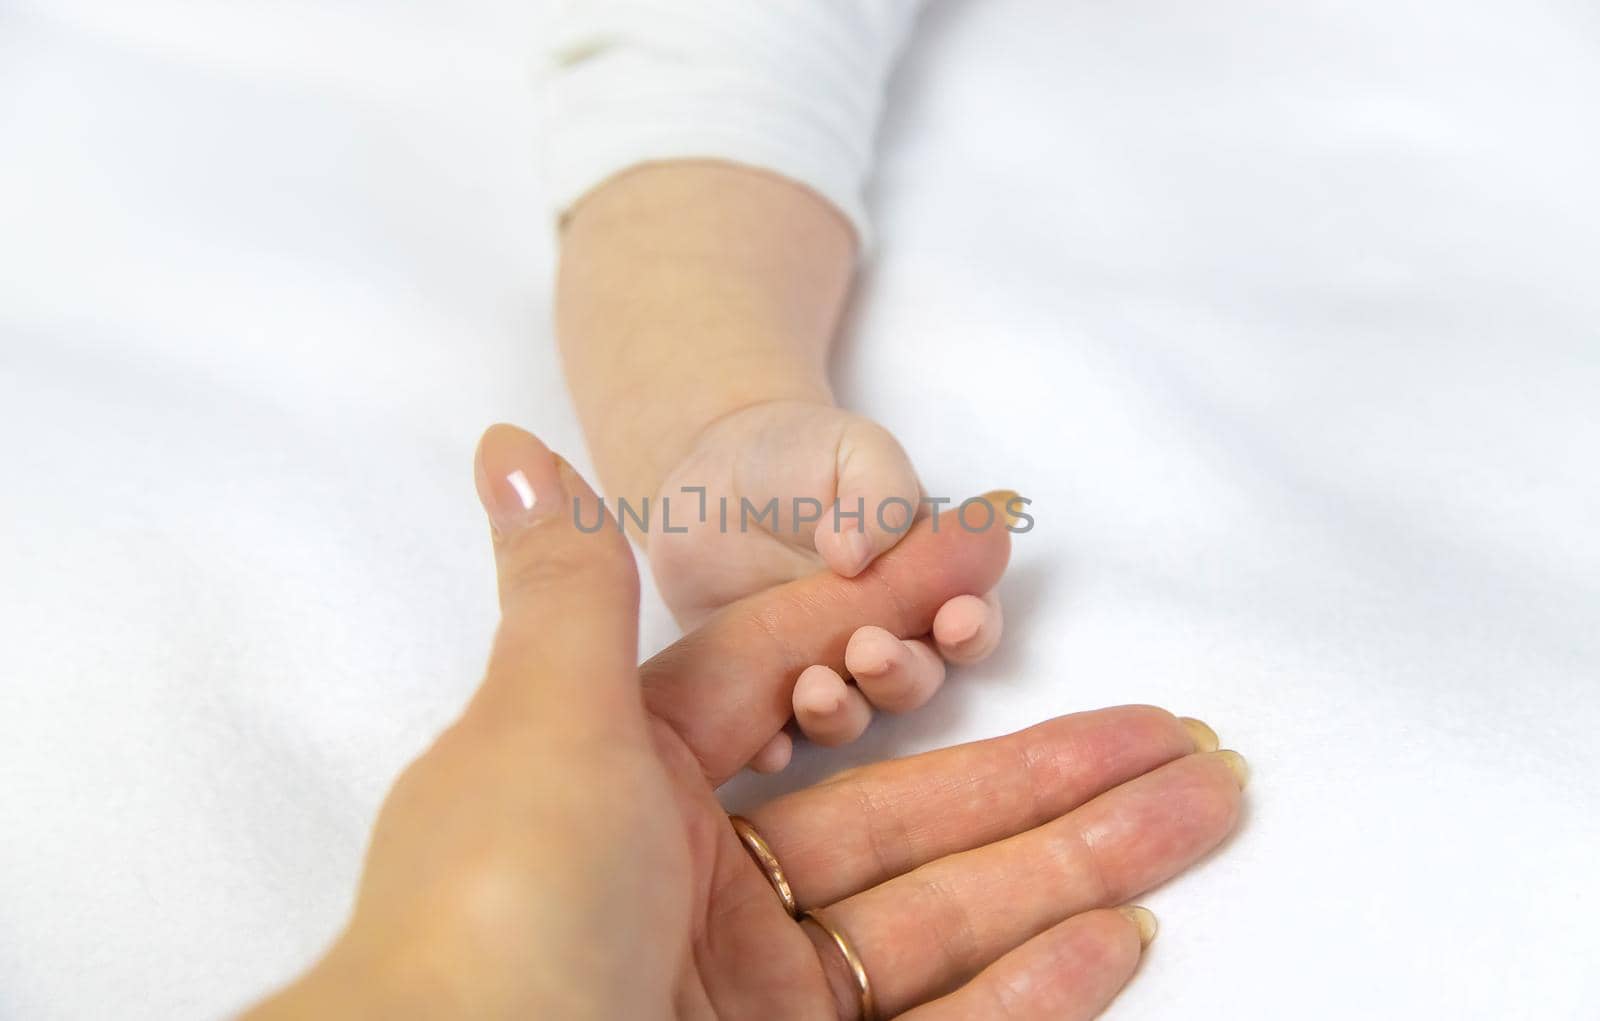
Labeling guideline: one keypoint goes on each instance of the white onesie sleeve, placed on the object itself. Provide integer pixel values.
(792, 86)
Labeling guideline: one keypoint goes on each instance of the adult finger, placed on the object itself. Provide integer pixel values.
(869, 825)
(1069, 972)
(727, 687)
(922, 933)
(569, 592)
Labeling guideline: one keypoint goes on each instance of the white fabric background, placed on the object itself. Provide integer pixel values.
(1285, 316)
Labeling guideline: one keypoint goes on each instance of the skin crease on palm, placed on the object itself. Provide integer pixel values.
(703, 298)
(559, 851)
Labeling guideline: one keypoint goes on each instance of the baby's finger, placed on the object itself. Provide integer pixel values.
(829, 711)
(896, 675)
(775, 755)
(967, 628)
(727, 687)
(878, 495)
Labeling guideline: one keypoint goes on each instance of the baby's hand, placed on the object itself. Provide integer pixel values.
(752, 506)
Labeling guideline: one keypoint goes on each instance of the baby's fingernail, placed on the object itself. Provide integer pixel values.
(871, 668)
(825, 705)
(871, 652)
(1144, 919)
(775, 755)
(859, 551)
(1235, 761)
(1007, 503)
(819, 691)
(962, 632)
(1204, 738)
(517, 479)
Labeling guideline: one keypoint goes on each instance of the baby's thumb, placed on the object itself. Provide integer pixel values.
(569, 591)
(877, 495)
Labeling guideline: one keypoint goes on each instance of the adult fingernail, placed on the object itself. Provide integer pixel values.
(517, 479)
(1007, 503)
(1144, 919)
(1235, 761)
(1204, 738)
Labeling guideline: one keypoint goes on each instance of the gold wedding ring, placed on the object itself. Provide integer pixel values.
(869, 1007)
(761, 851)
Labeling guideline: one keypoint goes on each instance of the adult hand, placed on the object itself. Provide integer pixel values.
(560, 852)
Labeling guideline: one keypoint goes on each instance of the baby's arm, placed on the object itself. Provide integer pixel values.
(695, 307)
(688, 291)
(710, 162)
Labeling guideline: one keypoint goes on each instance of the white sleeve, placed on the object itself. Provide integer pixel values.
(791, 86)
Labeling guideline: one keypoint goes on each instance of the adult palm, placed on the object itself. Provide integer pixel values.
(560, 851)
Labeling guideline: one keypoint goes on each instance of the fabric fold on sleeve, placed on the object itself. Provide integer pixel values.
(795, 87)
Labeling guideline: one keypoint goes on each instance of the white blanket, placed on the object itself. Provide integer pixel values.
(1285, 315)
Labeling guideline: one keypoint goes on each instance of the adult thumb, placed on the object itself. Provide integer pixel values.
(567, 646)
